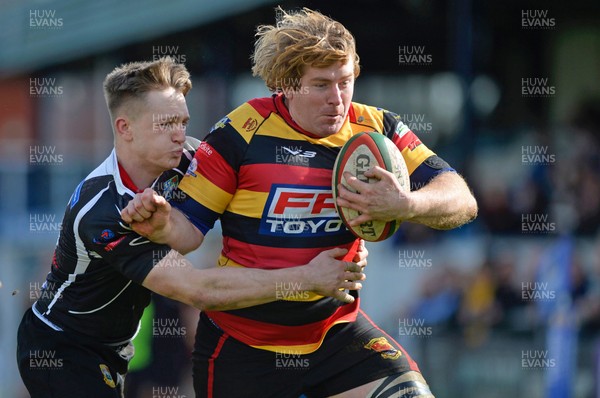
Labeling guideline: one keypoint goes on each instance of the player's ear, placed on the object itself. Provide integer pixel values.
(123, 128)
(288, 92)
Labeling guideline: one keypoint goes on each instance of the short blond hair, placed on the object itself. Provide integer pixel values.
(135, 79)
(299, 39)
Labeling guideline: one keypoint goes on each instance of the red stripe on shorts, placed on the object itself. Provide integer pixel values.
(211, 364)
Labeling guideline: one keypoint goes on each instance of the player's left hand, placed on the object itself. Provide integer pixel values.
(382, 200)
(361, 255)
(328, 276)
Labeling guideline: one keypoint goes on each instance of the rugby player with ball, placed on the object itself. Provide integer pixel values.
(265, 171)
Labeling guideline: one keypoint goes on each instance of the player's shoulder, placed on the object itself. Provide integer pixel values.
(374, 118)
(92, 187)
(242, 123)
(371, 116)
(247, 118)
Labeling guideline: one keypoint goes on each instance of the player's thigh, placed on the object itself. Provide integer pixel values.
(407, 385)
(225, 367)
(353, 358)
(53, 366)
(66, 375)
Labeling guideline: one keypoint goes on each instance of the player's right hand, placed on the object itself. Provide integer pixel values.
(148, 213)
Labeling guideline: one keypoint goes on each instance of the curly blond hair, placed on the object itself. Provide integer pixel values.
(299, 39)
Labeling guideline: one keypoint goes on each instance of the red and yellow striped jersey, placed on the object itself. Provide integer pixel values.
(269, 182)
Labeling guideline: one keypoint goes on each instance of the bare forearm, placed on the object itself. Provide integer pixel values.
(181, 234)
(231, 288)
(444, 203)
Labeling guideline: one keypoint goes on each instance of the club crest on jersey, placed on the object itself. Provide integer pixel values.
(107, 376)
(105, 236)
(382, 346)
(300, 211)
(250, 124)
(169, 186)
(107, 240)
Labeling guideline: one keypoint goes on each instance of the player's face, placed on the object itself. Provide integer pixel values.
(321, 104)
(159, 129)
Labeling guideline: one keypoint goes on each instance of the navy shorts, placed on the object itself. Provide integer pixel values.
(56, 364)
(352, 354)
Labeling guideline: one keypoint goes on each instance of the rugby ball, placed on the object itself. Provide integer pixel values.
(359, 154)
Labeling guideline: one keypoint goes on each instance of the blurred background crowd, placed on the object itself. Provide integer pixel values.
(507, 92)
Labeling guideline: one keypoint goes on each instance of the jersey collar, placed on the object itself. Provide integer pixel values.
(284, 112)
(127, 181)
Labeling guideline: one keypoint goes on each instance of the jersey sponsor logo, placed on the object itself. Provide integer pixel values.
(299, 152)
(295, 156)
(220, 124)
(382, 346)
(300, 211)
(108, 379)
(413, 144)
(191, 171)
(401, 129)
(206, 148)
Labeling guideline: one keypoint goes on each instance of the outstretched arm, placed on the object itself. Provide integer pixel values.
(229, 288)
(444, 203)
